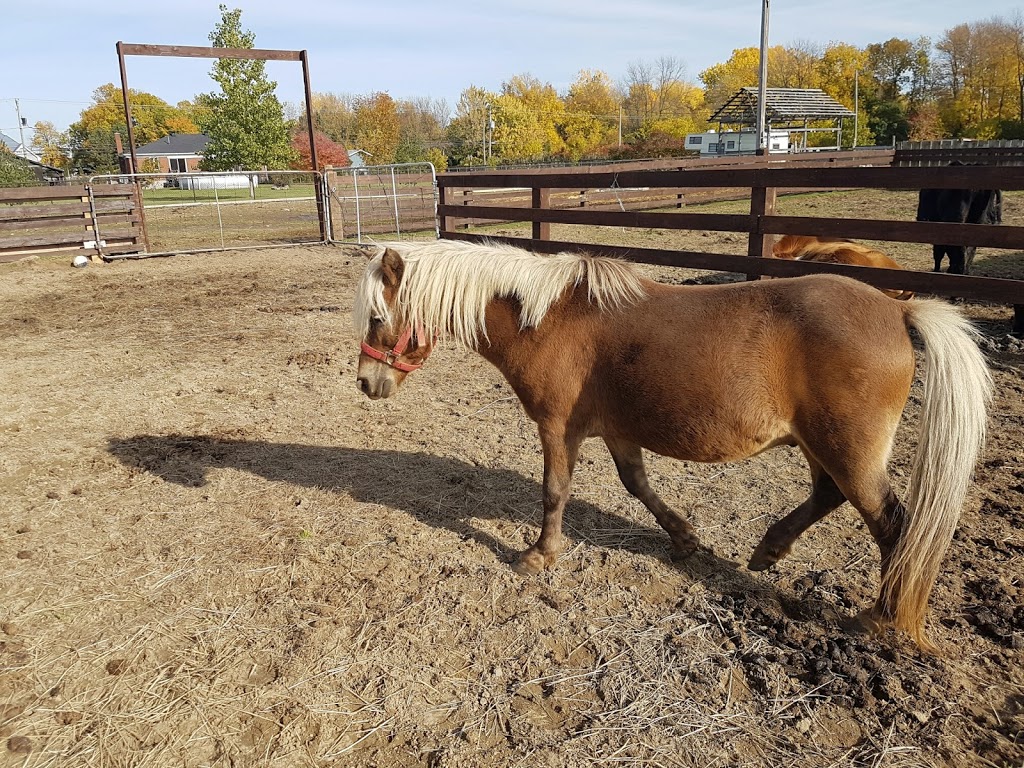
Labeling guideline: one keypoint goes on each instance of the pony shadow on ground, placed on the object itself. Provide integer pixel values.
(440, 492)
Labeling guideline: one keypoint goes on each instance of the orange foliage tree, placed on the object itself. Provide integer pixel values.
(328, 152)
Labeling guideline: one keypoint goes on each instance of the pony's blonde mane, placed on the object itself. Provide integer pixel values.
(447, 285)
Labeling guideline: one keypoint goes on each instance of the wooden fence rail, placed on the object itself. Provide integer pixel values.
(761, 181)
(95, 220)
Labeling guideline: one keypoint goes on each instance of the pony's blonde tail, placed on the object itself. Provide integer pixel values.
(957, 390)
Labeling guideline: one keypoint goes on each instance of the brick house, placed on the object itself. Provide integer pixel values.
(177, 153)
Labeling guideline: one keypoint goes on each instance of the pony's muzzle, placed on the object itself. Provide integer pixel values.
(375, 380)
(375, 390)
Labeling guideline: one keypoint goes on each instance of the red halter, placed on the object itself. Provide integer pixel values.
(391, 356)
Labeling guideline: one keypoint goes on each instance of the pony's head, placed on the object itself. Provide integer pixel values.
(393, 345)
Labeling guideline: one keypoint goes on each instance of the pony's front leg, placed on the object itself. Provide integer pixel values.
(560, 452)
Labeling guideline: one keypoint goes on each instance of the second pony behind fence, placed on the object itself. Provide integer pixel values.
(834, 250)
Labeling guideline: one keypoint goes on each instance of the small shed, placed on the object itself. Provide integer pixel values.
(792, 110)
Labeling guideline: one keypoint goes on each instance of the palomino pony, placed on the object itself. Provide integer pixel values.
(703, 373)
(833, 250)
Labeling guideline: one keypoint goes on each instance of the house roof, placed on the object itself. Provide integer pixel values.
(19, 149)
(781, 105)
(175, 144)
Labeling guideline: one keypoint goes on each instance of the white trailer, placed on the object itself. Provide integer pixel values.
(714, 143)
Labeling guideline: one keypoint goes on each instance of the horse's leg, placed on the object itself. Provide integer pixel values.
(956, 260)
(778, 539)
(869, 491)
(629, 461)
(969, 253)
(560, 452)
(938, 251)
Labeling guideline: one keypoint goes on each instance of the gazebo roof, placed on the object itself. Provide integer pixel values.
(782, 105)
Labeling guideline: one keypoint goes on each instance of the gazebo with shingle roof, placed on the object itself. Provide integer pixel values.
(786, 108)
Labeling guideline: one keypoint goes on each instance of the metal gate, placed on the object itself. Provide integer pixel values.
(190, 212)
(393, 201)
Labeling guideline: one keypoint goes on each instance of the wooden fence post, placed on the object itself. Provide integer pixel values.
(541, 199)
(762, 204)
(442, 199)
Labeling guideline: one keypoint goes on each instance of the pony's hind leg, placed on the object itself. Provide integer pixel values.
(868, 489)
(629, 461)
(778, 539)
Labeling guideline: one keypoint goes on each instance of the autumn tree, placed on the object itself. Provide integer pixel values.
(546, 109)
(795, 65)
(591, 118)
(245, 122)
(335, 115)
(661, 105)
(740, 70)
(328, 153)
(376, 127)
(51, 145)
(467, 133)
(520, 135)
(91, 137)
(900, 67)
(421, 127)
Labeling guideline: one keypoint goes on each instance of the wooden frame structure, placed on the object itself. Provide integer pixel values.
(206, 52)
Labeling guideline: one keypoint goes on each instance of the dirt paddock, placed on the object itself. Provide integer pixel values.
(216, 552)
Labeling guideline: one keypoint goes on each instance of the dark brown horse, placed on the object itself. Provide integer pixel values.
(833, 250)
(703, 373)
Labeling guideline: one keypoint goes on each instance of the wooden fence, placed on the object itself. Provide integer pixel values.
(623, 197)
(95, 220)
(923, 154)
(761, 182)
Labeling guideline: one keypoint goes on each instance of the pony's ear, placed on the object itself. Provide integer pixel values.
(392, 268)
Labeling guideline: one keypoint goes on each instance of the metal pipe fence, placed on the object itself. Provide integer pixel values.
(200, 211)
(390, 201)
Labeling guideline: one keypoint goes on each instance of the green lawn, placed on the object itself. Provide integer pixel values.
(155, 197)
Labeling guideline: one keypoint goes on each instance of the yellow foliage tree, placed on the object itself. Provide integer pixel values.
(377, 131)
(543, 102)
(154, 118)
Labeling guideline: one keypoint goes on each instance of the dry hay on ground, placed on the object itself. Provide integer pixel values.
(216, 551)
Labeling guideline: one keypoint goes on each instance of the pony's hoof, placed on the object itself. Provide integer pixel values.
(525, 569)
(531, 562)
(684, 550)
(765, 557)
(864, 624)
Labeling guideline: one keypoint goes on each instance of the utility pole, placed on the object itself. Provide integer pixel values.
(762, 79)
(483, 137)
(856, 105)
(21, 128)
(490, 133)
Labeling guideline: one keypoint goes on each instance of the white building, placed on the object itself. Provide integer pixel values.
(715, 144)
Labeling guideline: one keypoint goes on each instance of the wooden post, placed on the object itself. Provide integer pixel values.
(442, 199)
(467, 199)
(762, 204)
(541, 199)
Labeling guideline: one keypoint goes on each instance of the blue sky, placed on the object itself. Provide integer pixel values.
(54, 53)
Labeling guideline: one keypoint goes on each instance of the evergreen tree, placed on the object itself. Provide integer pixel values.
(245, 122)
(14, 172)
